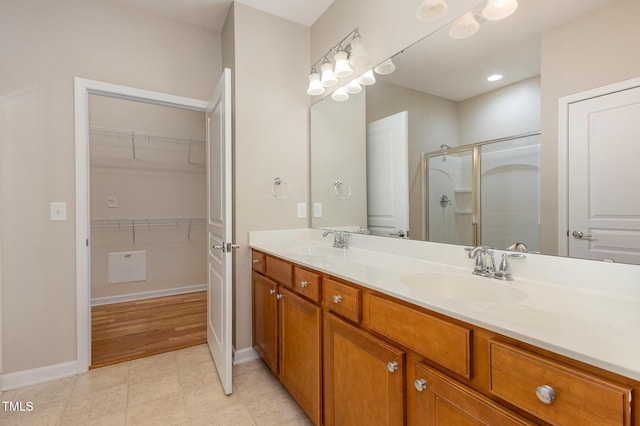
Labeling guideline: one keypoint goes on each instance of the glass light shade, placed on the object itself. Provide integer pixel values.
(359, 56)
(431, 10)
(367, 79)
(340, 95)
(342, 69)
(328, 77)
(465, 26)
(387, 67)
(496, 10)
(353, 87)
(315, 87)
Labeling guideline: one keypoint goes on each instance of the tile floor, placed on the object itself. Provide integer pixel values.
(175, 388)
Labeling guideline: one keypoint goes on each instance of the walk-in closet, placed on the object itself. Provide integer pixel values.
(148, 235)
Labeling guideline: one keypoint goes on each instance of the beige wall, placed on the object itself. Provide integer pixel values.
(43, 45)
(338, 152)
(270, 63)
(594, 50)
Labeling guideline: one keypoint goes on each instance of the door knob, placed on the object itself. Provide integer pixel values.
(580, 236)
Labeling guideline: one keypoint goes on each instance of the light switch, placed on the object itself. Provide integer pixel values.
(112, 202)
(317, 209)
(58, 211)
(302, 210)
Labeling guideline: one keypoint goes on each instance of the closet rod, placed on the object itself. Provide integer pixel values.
(109, 131)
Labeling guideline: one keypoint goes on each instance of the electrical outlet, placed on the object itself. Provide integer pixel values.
(317, 209)
(302, 210)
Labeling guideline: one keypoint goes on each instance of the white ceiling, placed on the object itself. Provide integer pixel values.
(212, 13)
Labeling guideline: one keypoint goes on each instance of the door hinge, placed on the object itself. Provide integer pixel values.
(87, 242)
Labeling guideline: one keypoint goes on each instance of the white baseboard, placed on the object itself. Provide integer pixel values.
(34, 376)
(244, 355)
(107, 300)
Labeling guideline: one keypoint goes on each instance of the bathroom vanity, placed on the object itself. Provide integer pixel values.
(389, 332)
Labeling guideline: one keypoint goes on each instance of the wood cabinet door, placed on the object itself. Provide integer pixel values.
(363, 377)
(265, 319)
(300, 352)
(443, 401)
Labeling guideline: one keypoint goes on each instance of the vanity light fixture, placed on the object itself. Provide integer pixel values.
(315, 87)
(353, 87)
(386, 67)
(328, 77)
(494, 77)
(367, 79)
(342, 69)
(359, 56)
(496, 10)
(340, 95)
(465, 26)
(353, 54)
(431, 10)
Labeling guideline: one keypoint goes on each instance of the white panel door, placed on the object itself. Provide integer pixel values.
(219, 226)
(387, 176)
(604, 177)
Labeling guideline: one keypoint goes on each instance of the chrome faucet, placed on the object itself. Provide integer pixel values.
(485, 264)
(340, 238)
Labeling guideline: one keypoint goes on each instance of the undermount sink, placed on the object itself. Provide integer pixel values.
(455, 286)
(316, 251)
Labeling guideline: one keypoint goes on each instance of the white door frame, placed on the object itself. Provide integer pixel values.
(563, 152)
(82, 89)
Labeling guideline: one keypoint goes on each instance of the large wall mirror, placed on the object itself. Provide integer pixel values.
(435, 150)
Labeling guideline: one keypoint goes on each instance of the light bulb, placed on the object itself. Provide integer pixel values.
(465, 26)
(315, 87)
(431, 10)
(496, 10)
(328, 77)
(342, 69)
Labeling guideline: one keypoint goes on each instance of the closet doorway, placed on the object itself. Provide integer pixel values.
(148, 233)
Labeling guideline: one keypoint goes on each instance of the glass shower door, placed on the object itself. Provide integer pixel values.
(450, 196)
(510, 192)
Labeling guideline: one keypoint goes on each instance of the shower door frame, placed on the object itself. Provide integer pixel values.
(476, 236)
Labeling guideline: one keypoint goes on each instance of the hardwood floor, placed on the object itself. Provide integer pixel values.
(130, 330)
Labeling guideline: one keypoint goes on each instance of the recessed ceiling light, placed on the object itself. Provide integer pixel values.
(494, 77)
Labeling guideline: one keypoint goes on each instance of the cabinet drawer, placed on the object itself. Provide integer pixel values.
(258, 261)
(307, 283)
(342, 299)
(580, 398)
(443, 342)
(279, 270)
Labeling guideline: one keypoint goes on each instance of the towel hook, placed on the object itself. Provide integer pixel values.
(339, 192)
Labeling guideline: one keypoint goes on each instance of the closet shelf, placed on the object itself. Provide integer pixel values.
(141, 223)
(127, 133)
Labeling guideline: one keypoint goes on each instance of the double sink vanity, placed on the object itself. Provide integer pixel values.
(391, 332)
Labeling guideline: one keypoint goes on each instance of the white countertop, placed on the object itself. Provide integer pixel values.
(586, 310)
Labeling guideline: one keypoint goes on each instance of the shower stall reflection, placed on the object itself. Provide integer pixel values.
(485, 194)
